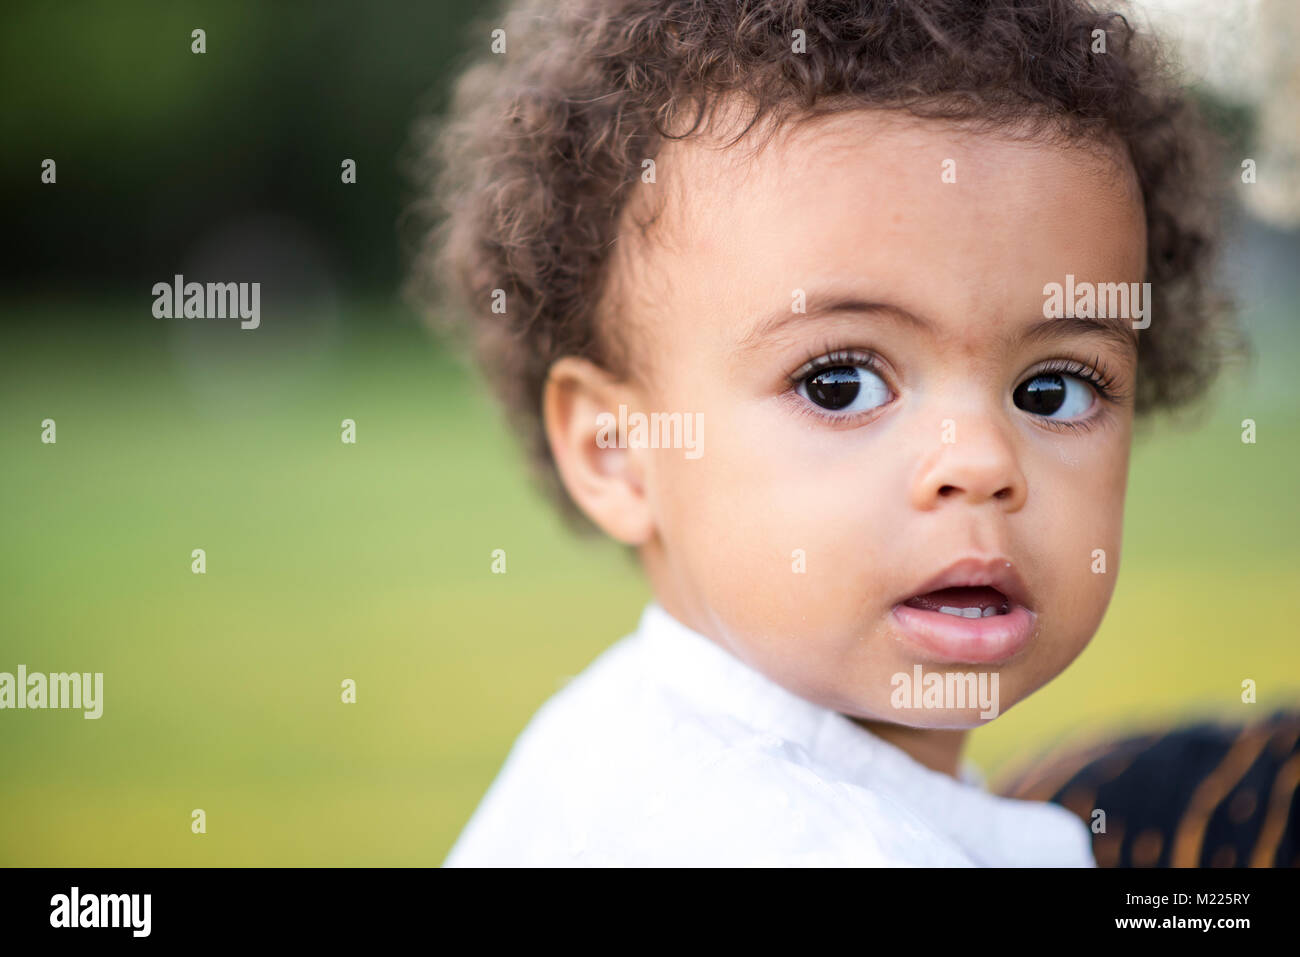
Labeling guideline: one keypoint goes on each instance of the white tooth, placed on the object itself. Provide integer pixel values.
(990, 611)
(950, 610)
(971, 612)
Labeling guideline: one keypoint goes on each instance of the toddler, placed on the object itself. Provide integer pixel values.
(840, 315)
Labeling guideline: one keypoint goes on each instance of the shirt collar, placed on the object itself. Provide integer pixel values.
(990, 827)
(717, 680)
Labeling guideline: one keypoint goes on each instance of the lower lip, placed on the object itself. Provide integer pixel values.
(950, 639)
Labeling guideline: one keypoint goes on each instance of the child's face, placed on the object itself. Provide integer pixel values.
(822, 503)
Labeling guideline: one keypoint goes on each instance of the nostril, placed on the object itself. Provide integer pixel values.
(1002, 493)
(947, 490)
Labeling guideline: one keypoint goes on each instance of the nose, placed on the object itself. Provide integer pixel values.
(977, 465)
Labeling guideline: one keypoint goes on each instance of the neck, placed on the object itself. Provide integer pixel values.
(938, 749)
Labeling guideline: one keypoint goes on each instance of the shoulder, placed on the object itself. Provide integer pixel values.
(615, 770)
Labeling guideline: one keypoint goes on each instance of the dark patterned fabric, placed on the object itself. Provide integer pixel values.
(1204, 795)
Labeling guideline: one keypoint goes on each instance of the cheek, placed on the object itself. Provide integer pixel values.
(1084, 536)
(732, 514)
(777, 521)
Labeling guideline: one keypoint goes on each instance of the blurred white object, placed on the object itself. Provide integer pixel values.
(1244, 51)
(668, 751)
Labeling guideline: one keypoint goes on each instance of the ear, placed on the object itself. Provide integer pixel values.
(580, 411)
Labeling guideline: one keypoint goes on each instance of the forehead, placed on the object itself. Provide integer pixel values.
(946, 222)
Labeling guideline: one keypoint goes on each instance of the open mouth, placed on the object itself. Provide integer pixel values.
(977, 610)
(974, 601)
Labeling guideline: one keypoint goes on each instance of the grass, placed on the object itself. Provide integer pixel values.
(327, 561)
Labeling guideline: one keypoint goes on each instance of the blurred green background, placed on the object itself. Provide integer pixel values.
(327, 561)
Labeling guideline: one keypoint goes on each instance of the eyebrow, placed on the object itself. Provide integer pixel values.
(820, 307)
(1113, 329)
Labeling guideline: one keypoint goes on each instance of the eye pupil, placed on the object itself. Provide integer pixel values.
(834, 388)
(1041, 395)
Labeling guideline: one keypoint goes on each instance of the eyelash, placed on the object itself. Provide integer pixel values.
(830, 357)
(1098, 376)
(1095, 374)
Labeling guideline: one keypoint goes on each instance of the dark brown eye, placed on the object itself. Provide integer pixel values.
(1050, 393)
(834, 388)
(844, 389)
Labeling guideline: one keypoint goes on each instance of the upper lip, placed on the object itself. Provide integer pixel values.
(996, 572)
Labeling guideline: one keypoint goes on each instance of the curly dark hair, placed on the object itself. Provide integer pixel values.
(528, 173)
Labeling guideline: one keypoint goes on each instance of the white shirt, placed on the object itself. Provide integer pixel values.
(669, 751)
